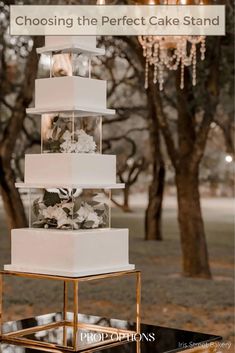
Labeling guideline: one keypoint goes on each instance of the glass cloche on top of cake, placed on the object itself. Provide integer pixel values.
(69, 133)
(70, 55)
(69, 208)
(75, 44)
(70, 64)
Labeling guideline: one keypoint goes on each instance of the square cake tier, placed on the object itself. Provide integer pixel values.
(70, 168)
(69, 253)
(70, 91)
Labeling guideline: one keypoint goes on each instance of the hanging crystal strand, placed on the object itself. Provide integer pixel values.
(142, 41)
(161, 78)
(155, 73)
(194, 80)
(155, 61)
(164, 53)
(146, 73)
(203, 48)
(149, 55)
(178, 54)
(178, 57)
(161, 66)
(144, 52)
(182, 74)
(182, 55)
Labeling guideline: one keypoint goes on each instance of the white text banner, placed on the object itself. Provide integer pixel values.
(117, 20)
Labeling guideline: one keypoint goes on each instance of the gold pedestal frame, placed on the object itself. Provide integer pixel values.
(122, 335)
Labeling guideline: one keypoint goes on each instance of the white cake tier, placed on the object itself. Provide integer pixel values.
(83, 44)
(69, 253)
(70, 93)
(70, 90)
(70, 168)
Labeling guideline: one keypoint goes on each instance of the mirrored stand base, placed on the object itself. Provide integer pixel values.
(153, 339)
(70, 331)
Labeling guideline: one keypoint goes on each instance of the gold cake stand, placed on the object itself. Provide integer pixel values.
(70, 327)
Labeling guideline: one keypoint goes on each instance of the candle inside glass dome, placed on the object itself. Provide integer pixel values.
(70, 64)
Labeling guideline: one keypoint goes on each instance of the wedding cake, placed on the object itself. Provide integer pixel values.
(69, 184)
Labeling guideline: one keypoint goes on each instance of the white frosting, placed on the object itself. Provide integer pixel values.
(72, 253)
(70, 91)
(70, 168)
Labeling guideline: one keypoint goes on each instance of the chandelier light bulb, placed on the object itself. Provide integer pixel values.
(100, 2)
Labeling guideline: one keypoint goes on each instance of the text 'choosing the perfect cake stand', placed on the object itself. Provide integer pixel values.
(69, 185)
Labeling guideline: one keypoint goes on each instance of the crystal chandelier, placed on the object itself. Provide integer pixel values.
(172, 53)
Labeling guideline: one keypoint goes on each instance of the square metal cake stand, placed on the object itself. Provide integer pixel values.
(26, 337)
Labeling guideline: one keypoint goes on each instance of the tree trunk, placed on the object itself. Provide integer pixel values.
(12, 203)
(126, 194)
(193, 240)
(15, 215)
(153, 215)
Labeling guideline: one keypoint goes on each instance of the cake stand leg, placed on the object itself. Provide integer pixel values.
(138, 301)
(65, 310)
(75, 313)
(1, 305)
(138, 349)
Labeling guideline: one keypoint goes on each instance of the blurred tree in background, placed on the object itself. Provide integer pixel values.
(185, 118)
(18, 69)
(125, 74)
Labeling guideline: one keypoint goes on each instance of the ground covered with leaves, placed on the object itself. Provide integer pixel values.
(168, 298)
